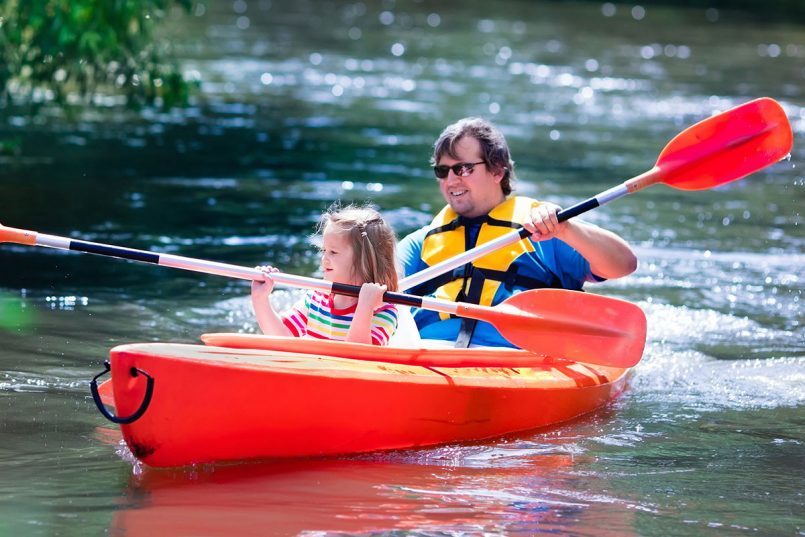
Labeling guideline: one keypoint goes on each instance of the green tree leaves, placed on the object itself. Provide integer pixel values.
(61, 50)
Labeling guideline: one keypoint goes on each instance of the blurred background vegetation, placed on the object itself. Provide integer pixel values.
(71, 51)
(51, 50)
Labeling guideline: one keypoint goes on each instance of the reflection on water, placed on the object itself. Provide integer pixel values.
(532, 492)
(304, 103)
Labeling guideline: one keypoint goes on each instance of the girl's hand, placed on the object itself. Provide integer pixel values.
(369, 299)
(270, 323)
(543, 222)
(371, 294)
(261, 289)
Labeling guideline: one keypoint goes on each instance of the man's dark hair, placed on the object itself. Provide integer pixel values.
(494, 149)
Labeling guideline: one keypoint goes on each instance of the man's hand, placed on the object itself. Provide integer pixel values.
(543, 222)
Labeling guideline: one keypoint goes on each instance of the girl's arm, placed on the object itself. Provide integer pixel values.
(369, 299)
(270, 323)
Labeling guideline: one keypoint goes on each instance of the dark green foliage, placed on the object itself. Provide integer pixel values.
(54, 48)
(792, 11)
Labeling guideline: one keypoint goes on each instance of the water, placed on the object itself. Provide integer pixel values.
(304, 105)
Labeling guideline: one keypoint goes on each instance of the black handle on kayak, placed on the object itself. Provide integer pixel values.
(149, 391)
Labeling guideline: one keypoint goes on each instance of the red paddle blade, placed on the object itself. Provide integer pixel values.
(574, 325)
(727, 146)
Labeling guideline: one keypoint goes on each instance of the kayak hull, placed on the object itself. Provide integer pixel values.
(212, 404)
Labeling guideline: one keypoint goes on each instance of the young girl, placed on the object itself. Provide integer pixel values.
(358, 249)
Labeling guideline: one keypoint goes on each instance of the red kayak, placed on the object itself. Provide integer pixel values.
(184, 404)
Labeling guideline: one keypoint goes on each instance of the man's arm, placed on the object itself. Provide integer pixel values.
(409, 253)
(608, 254)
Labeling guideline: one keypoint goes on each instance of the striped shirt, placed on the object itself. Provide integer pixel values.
(315, 316)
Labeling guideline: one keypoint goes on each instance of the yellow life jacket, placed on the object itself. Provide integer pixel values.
(446, 238)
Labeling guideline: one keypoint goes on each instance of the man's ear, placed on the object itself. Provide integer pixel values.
(499, 175)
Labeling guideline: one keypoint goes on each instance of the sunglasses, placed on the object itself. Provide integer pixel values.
(462, 169)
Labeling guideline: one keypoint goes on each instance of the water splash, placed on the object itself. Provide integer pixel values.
(678, 367)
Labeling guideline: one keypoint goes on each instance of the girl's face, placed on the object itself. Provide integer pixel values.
(337, 257)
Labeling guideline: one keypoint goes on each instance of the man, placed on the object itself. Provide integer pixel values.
(474, 169)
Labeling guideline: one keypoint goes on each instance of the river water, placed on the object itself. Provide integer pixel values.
(303, 103)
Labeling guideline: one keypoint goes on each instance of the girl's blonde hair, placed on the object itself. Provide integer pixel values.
(372, 239)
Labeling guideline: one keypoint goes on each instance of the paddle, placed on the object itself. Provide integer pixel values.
(713, 152)
(578, 326)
